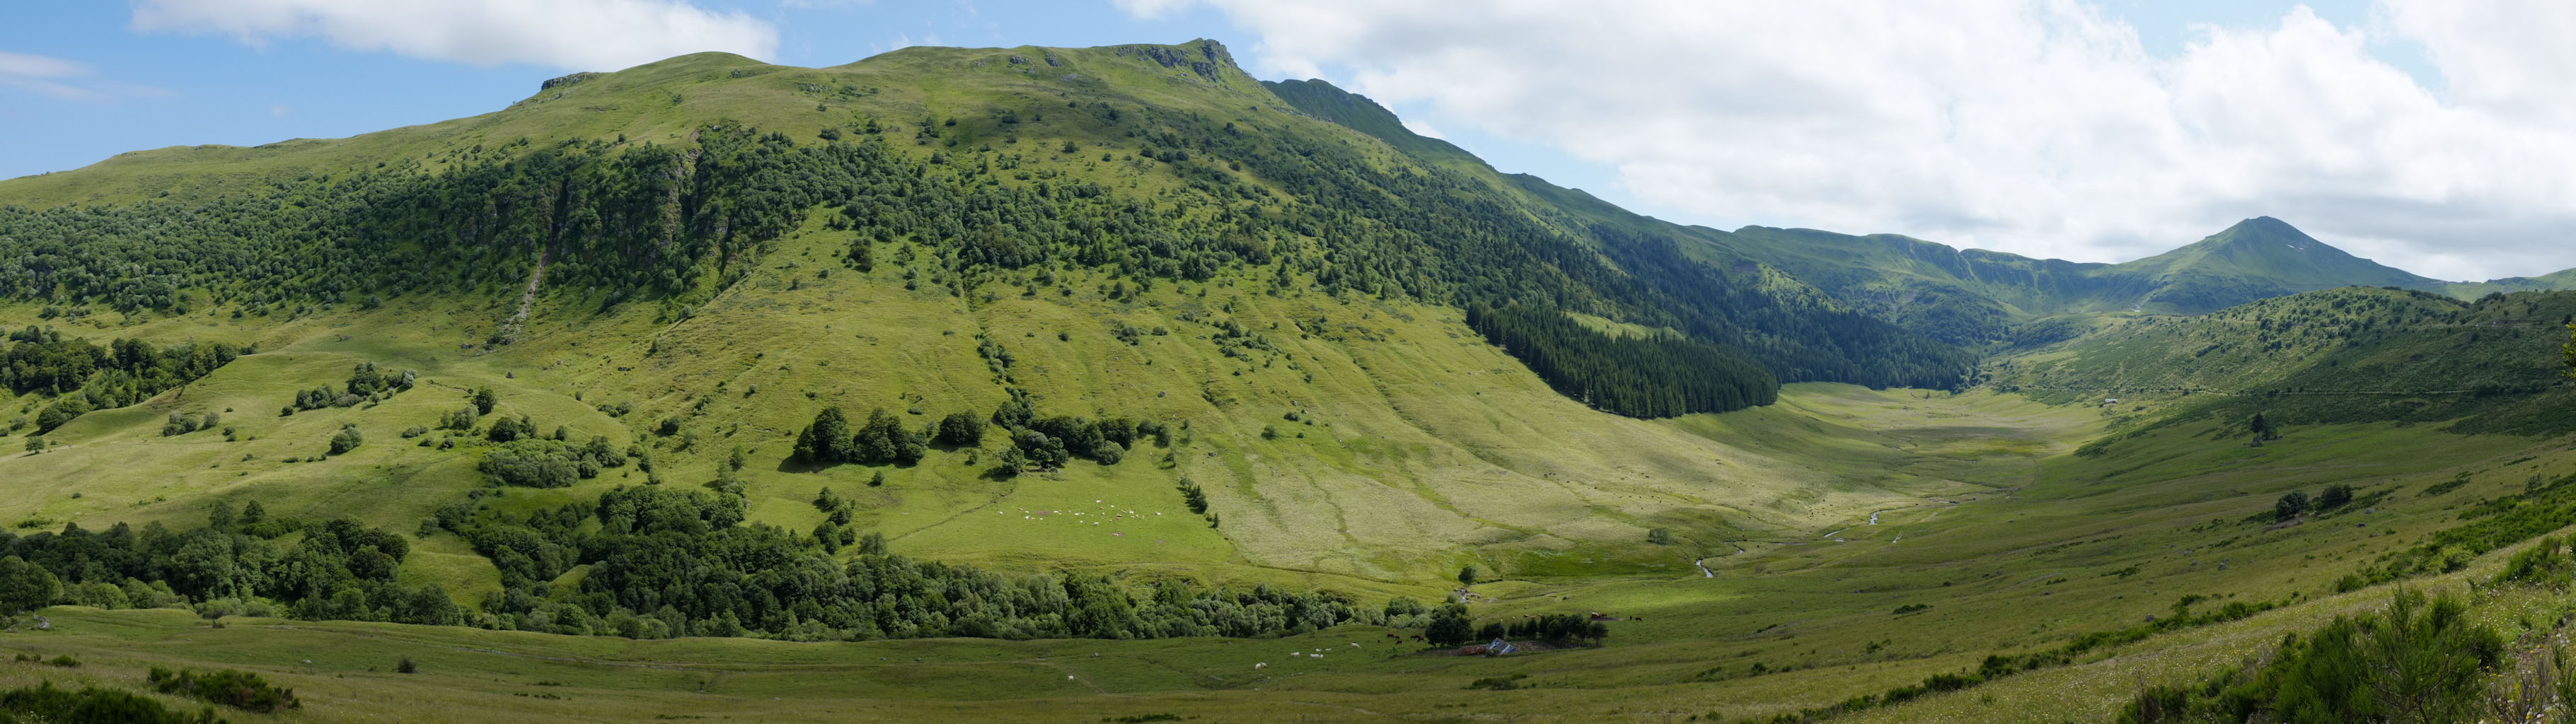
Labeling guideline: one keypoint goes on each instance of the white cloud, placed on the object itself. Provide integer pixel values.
(2035, 126)
(1151, 9)
(571, 34)
(42, 74)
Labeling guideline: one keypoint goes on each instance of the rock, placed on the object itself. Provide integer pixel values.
(550, 84)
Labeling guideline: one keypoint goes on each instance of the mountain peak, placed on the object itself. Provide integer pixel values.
(2267, 231)
(2256, 258)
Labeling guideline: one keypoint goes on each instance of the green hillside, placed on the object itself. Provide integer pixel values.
(1135, 233)
(2561, 280)
(2257, 258)
(1047, 384)
(2342, 355)
(1975, 297)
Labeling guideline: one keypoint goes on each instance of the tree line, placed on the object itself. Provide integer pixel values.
(645, 220)
(669, 562)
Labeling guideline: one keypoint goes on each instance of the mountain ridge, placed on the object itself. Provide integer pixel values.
(919, 366)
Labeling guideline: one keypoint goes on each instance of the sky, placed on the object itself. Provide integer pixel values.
(2438, 136)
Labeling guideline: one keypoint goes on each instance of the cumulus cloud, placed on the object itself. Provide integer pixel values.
(570, 34)
(2042, 127)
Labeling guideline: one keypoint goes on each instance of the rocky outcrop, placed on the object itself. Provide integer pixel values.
(1207, 58)
(553, 83)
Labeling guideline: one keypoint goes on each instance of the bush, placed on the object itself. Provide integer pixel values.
(61, 412)
(2335, 496)
(2290, 505)
(25, 586)
(46, 703)
(961, 429)
(2421, 659)
(509, 430)
(347, 439)
(230, 687)
(1450, 626)
(531, 468)
(2546, 563)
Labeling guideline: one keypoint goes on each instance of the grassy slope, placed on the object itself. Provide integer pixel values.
(2344, 354)
(2014, 545)
(1428, 450)
(1414, 430)
(2561, 280)
(1972, 297)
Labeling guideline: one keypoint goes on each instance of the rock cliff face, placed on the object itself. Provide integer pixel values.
(1209, 62)
(553, 83)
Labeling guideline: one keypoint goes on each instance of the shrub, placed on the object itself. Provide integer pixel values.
(2335, 496)
(961, 429)
(61, 412)
(346, 440)
(230, 687)
(2290, 505)
(2547, 562)
(46, 703)
(535, 464)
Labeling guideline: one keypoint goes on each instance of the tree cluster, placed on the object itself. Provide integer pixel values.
(547, 463)
(882, 440)
(40, 360)
(667, 562)
(337, 569)
(1657, 376)
(1554, 628)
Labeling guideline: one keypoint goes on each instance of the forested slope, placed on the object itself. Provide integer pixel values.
(995, 182)
(1037, 275)
(2355, 354)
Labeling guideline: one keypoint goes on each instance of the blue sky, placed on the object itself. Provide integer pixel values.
(81, 81)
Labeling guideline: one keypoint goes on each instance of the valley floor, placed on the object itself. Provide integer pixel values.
(1959, 527)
